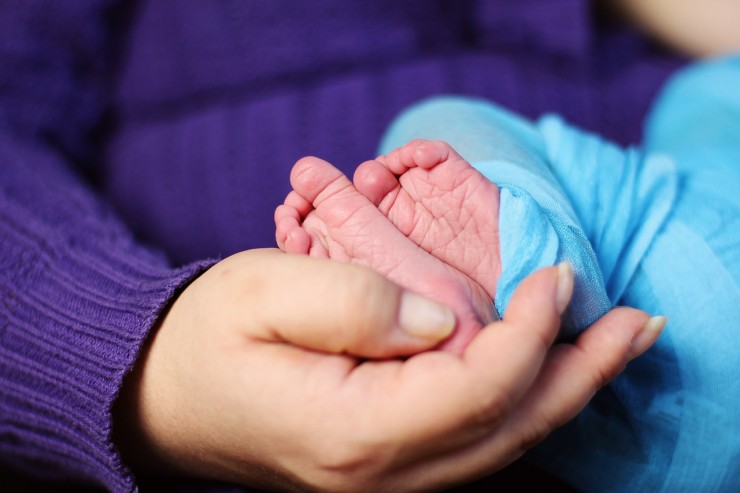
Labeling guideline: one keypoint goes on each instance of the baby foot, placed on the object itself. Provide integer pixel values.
(325, 216)
(441, 203)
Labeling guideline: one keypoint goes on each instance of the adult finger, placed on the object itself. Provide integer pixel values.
(564, 383)
(470, 396)
(427, 408)
(573, 373)
(340, 308)
(569, 377)
(524, 336)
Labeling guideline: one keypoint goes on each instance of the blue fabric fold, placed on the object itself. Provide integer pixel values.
(657, 228)
(537, 225)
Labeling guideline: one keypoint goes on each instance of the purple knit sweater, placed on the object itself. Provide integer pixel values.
(138, 138)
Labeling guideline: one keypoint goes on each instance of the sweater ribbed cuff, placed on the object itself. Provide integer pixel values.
(78, 297)
(73, 321)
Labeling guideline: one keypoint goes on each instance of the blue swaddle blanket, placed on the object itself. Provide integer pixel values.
(656, 228)
(538, 224)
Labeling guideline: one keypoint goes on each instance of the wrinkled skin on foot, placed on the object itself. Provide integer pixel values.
(422, 216)
(441, 203)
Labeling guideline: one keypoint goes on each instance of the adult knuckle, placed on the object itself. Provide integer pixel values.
(369, 298)
(490, 408)
(599, 377)
(350, 467)
(534, 432)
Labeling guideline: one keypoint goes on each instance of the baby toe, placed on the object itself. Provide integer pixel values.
(311, 176)
(375, 181)
(297, 241)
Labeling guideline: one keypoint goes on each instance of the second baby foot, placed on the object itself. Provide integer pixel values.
(325, 216)
(441, 203)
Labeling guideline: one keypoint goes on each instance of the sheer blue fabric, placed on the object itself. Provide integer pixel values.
(657, 228)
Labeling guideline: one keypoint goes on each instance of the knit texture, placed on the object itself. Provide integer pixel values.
(175, 124)
(79, 294)
(78, 299)
(217, 101)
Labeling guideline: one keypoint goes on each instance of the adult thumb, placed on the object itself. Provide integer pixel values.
(347, 309)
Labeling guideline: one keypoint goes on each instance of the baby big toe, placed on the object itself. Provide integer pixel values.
(311, 176)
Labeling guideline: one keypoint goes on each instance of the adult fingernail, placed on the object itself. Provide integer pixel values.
(647, 335)
(424, 318)
(565, 286)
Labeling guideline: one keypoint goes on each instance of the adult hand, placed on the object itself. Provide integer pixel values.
(259, 374)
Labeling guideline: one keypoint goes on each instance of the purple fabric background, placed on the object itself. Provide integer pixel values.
(138, 138)
(213, 104)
